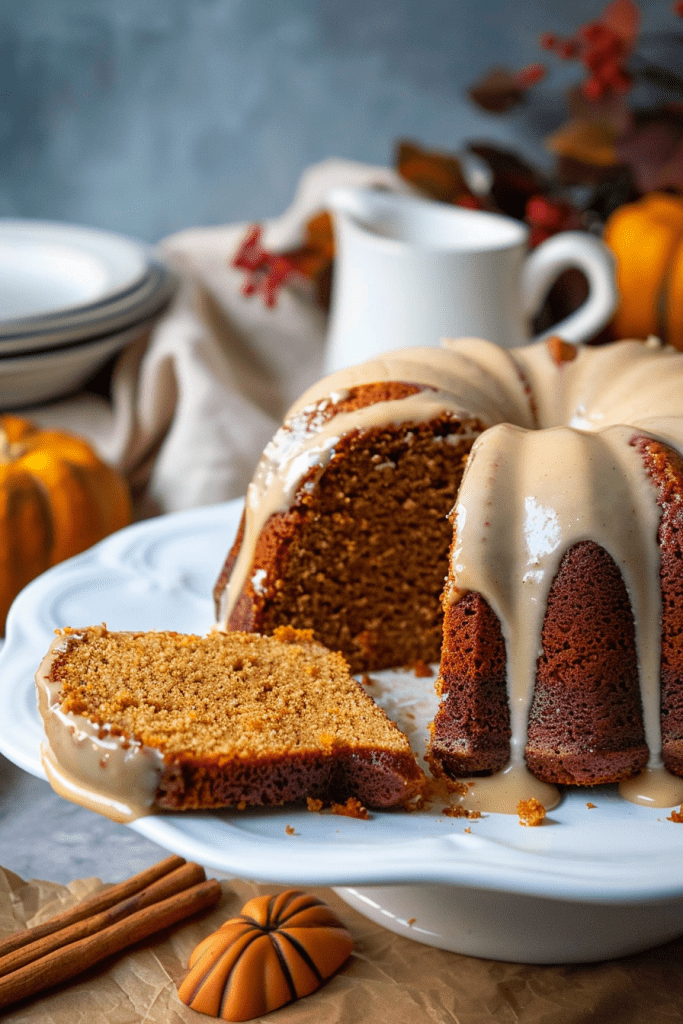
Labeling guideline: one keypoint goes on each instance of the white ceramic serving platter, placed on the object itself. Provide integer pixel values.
(47, 267)
(589, 884)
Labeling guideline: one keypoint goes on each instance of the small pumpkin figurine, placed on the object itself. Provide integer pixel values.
(57, 498)
(647, 239)
(278, 949)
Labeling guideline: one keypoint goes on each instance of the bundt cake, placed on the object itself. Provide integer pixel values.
(560, 469)
(135, 721)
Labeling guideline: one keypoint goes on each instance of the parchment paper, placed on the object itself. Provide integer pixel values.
(387, 980)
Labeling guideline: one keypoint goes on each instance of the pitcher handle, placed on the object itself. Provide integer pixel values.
(560, 252)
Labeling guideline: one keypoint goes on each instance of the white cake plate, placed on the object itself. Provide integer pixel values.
(589, 884)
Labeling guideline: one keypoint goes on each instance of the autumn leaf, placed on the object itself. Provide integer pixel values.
(514, 180)
(315, 258)
(436, 174)
(317, 250)
(654, 149)
(586, 141)
(499, 91)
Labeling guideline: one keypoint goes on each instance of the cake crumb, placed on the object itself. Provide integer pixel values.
(412, 920)
(290, 830)
(414, 803)
(290, 635)
(367, 642)
(421, 669)
(676, 816)
(367, 680)
(433, 790)
(314, 805)
(531, 812)
(353, 808)
(468, 830)
(456, 786)
(589, 804)
(460, 812)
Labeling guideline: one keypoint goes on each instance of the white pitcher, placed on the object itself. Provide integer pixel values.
(410, 271)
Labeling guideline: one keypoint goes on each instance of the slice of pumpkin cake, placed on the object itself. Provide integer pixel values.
(138, 721)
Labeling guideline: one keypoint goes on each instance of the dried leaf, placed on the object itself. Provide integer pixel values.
(587, 141)
(514, 180)
(317, 250)
(654, 150)
(315, 258)
(436, 174)
(613, 109)
(662, 78)
(498, 91)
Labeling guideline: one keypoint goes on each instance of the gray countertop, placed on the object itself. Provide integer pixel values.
(45, 836)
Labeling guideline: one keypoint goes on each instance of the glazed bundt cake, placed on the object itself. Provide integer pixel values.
(135, 721)
(556, 629)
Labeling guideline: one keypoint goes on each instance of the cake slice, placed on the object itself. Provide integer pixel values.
(137, 721)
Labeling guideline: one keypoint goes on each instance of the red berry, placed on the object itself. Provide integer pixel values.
(470, 202)
(568, 49)
(593, 89)
(530, 75)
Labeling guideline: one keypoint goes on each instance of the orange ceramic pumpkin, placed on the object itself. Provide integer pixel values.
(647, 239)
(57, 498)
(280, 948)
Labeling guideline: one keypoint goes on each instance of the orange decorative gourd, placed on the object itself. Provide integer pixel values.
(647, 239)
(57, 498)
(280, 948)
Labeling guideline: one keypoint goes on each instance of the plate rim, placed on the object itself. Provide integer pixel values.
(138, 254)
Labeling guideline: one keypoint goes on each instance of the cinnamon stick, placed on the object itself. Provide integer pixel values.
(100, 901)
(70, 960)
(182, 878)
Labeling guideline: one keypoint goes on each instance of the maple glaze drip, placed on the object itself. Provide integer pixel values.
(532, 515)
(88, 765)
(581, 405)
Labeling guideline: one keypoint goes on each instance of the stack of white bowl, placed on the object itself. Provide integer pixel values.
(70, 298)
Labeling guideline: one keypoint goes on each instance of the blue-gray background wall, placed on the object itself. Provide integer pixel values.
(147, 116)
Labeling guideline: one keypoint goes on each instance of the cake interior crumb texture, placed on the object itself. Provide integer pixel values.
(343, 561)
(238, 717)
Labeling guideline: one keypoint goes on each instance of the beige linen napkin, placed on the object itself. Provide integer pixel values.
(193, 404)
